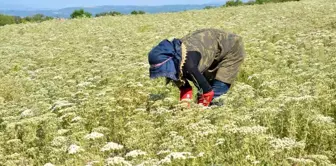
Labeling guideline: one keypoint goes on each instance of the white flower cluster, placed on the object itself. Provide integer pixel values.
(49, 164)
(150, 162)
(76, 119)
(286, 143)
(92, 163)
(321, 119)
(201, 154)
(27, 113)
(117, 161)
(84, 84)
(220, 141)
(301, 161)
(136, 153)
(62, 131)
(246, 130)
(202, 128)
(112, 146)
(73, 149)
(299, 99)
(61, 104)
(59, 141)
(140, 110)
(320, 159)
(252, 159)
(175, 140)
(162, 110)
(94, 135)
(163, 152)
(176, 156)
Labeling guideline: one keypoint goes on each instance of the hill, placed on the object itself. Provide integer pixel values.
(77, 92)
(66, 12)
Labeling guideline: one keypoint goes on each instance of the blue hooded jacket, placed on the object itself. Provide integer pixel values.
(165, 59)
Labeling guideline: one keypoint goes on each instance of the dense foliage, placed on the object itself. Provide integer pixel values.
(134, 12)
(234, 3)
(36, 18)
(112, 13)
(6, 19)
(80, 14)
(77, 92)
(252, 2)
(209, 7)
(273, 1)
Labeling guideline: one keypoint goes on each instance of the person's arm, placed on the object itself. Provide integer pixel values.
(199, 80)
(192, 72)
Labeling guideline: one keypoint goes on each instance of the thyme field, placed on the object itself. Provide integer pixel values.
(77, 92)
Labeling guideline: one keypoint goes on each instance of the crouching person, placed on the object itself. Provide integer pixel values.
(209, 58)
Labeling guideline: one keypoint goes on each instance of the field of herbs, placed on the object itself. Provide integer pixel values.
(77, 92)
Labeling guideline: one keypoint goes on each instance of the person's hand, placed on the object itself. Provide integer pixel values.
(206, 98)
(186, 94)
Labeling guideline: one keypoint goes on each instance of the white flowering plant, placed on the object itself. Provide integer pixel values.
(78, 92)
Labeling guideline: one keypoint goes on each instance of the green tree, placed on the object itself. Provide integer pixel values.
(134, 12)
(80, 13)
(233, 3)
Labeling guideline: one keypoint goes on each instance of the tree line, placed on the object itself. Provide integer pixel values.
(251, 2)
(7, 19)
(81, 13)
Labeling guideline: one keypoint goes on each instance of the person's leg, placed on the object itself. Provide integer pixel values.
(220, 88)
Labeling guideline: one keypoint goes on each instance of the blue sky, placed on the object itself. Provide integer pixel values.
(55, 4)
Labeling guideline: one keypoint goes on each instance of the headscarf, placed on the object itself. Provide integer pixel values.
(165, 60)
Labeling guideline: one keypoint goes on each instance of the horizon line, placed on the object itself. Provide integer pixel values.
(40, 9)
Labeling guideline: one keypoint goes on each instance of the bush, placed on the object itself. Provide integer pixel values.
(17, 19)
(80, 13)
(40, 18)
(284, 0)
(233, 3)
(112, 13)
(272, 1)
(36, 18)
(141, 12)
(5, 19)
(134, 12)
(209, 7)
